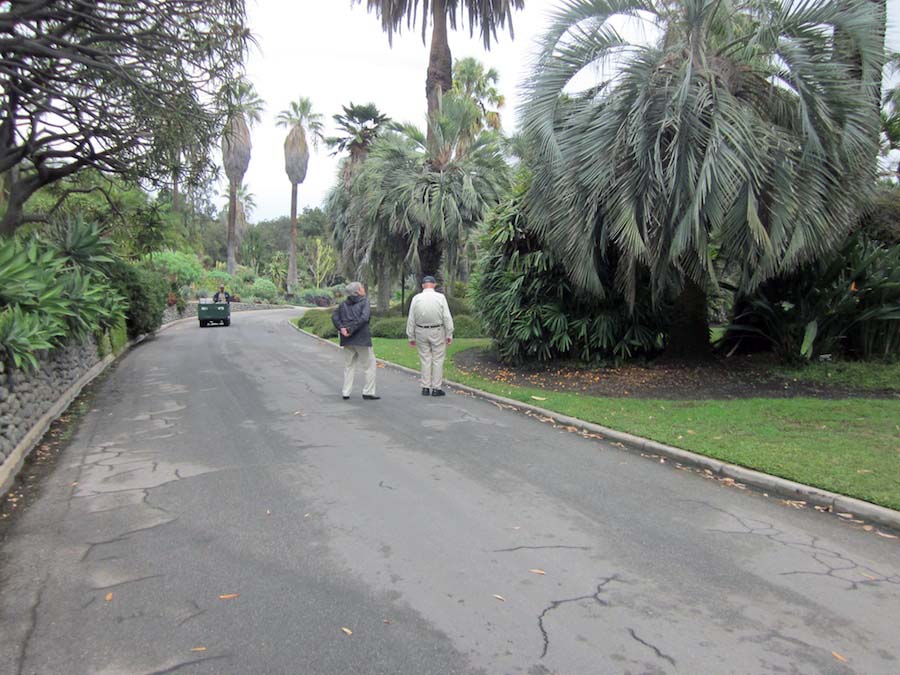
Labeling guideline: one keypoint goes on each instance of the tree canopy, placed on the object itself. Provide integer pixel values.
(113, 85)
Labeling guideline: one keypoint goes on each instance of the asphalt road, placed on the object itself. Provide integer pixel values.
(223, 462)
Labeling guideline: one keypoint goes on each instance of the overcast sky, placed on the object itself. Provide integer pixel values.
(334, 53)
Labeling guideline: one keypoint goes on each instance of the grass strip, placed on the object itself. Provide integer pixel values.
(848, 446)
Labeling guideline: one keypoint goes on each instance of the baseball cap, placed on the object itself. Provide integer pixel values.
(429, 280)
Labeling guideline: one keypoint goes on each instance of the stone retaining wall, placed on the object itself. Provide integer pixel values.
(26, 396)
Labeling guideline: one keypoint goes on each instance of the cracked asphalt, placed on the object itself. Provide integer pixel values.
(220, 509)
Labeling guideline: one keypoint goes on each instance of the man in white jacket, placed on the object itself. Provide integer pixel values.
(430, 328)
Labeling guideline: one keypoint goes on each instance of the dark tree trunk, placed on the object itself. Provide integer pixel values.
(689, 332)
(430, 256)
(232, 216)
(292, 249)
(440, 67)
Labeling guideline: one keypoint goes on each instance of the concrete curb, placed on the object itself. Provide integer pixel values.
(763, 481)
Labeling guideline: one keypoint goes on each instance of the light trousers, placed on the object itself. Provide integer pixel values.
(432, 346)
(364, 357)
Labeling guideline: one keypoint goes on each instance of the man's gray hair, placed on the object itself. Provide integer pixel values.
(353, 288)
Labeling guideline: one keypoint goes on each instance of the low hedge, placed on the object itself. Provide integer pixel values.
(318, 322)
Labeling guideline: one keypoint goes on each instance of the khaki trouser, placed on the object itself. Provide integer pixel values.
(432, 345)
(365, 357)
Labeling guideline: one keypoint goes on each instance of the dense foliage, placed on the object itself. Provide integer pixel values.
(847, 306)
(742, 128)
(54, 288)
(532, 310)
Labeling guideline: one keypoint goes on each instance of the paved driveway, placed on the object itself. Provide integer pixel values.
(222, 510)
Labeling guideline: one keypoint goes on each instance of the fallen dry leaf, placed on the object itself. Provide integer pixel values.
(108, 597)
(839, 657)
(387, 621)
(885, 534)
(537, 571)
(539, 398)
(868, 528)
(346, 630)
(229, 596)
(500, 597)
(198, 649)
(845, 515)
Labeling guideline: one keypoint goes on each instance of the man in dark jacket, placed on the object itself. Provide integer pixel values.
(352, 321)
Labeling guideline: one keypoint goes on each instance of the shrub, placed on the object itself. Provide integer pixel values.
(531, 311)
(388, 327)
(145, 292)
(51, 291)
(182, 269)
(245, 274)
(847, 305)
(263, 288)
(318, 322)
(318, 297)
(467, 327)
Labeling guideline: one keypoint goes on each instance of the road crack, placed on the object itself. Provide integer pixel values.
(653, 647)
(595, 596)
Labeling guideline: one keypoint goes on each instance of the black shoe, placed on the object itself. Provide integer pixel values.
(371, 398)
(438, 392)
(426, 391)
(345, 397)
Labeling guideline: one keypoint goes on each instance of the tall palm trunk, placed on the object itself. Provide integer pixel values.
(440, 66)
(689, 332)
(232, 219)
(384, 287)
(292, 252)
(430, 257)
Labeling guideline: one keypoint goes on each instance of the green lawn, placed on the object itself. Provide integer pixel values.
(862, 374)
(847, 446)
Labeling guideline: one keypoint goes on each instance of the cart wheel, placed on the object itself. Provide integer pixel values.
(202, 323)
(227, 322)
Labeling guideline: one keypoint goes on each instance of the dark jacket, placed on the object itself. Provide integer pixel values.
(353, 314)
(217, 297)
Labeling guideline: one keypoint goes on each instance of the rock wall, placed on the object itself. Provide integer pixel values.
(25, 396)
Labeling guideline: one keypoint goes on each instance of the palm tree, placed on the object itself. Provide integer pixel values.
(431, 199)
(471, 80)
(359, 125)
(243, 109)
(738, 135)
(240, 209)
(301, 120)
(488, 15)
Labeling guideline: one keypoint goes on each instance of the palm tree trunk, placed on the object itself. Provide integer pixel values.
(232, 217)
(292, 252)
(689, 332)
(430, 257)
(384, 288)
(440, 66)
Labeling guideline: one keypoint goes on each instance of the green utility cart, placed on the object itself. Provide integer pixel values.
(214, 312)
